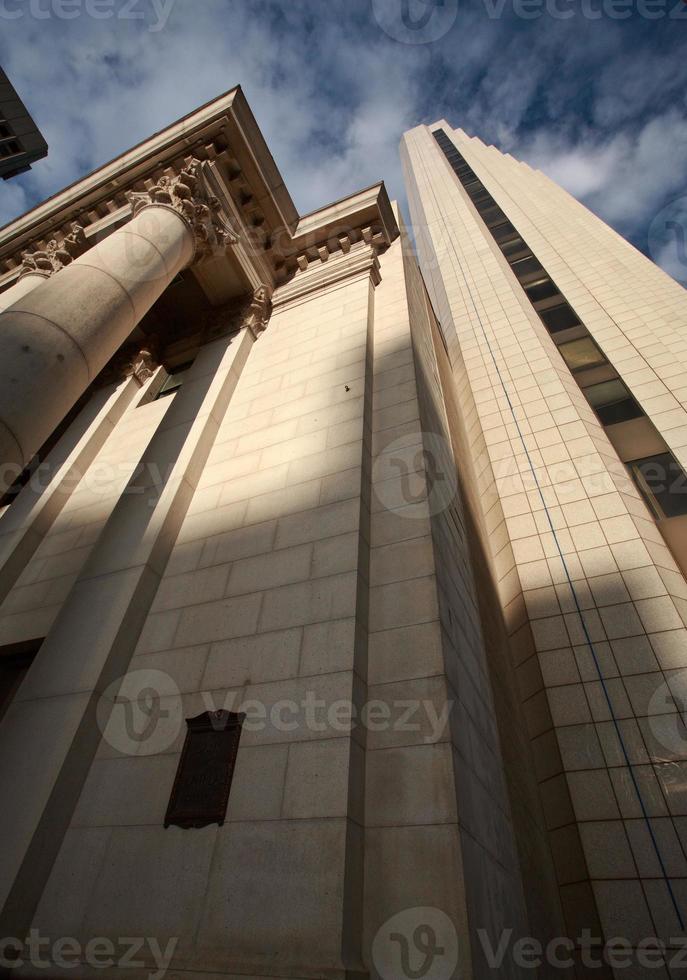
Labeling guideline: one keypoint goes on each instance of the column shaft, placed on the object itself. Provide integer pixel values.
(19, 289)
(55, 339)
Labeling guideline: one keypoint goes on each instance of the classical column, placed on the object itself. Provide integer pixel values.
(40, 264)
(55, 339)
(25, 284)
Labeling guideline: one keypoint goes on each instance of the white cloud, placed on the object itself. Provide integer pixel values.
(626, 178)
(333, 94)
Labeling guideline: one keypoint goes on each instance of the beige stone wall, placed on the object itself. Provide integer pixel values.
(259, 602)
(301, 570)
(541, 456)
(312, 563)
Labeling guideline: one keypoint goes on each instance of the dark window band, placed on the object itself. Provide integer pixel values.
(660, 479)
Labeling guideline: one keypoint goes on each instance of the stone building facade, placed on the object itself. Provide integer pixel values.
(358, 520)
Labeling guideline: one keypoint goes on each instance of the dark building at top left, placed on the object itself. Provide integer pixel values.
(21, 143)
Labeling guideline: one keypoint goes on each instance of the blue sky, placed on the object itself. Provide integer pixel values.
(594, 97)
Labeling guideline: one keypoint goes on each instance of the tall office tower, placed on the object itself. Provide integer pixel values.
(566, 357)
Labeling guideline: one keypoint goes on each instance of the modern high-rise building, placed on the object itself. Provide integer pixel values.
(565, 357)
(342, 618)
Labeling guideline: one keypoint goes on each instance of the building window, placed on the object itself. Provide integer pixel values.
(663, 484)
(581, 354)
(612, 402)
(540, 290)
(472, 185)
(174, 380)
(481, 197)
(493, 217)
(515, 249)
(560, 317)
(10, 147)
(476, 190)
(504, 232)
(485, 204)
(527, 265)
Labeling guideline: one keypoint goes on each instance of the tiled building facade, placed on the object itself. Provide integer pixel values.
(568, 352)
(292, 478)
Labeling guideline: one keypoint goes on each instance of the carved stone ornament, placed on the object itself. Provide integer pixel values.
(232, 317)
(143, 366)
(259, 310)
(55, 256)
(131, 361)
(189, 195)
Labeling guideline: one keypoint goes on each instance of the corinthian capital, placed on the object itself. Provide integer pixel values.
(188, 194)
(47, 261)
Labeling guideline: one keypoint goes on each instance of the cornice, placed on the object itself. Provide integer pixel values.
(329, 269)
(271, 240)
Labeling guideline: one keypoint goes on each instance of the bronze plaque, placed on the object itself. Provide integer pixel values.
(203, 780)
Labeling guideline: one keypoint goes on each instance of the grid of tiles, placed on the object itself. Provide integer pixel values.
(659, 477)
(611, 545)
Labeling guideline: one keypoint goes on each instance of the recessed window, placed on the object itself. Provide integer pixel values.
(527, 266)
(493, 216)
(513, 248)
(174, 380)
(581, 354)
(482, 199)
(504, 232)
(559, 318)
(612, 402)
(10, 147)
(484, 204)
(542, 289)
(663, 484)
